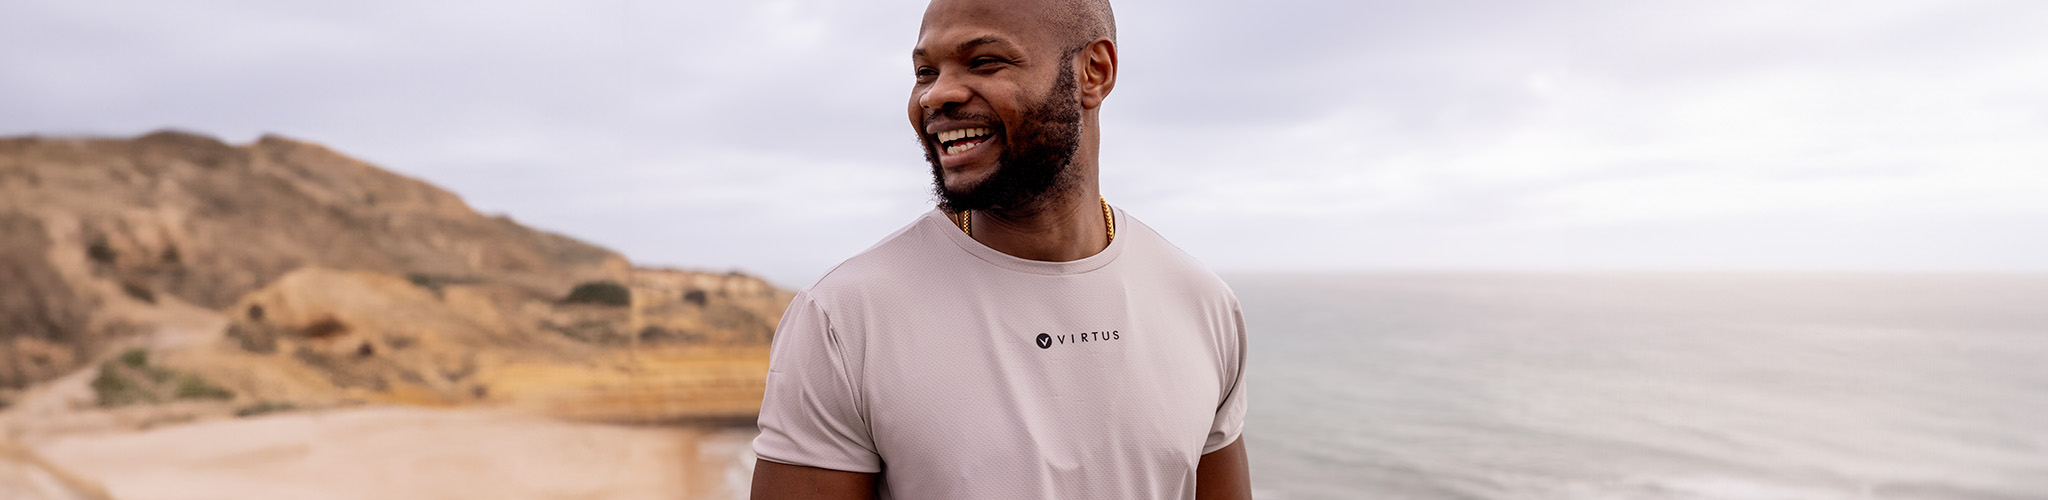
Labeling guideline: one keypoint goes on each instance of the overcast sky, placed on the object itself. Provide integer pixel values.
(770, 136)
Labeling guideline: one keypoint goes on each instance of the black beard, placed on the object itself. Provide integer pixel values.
(1036, 165)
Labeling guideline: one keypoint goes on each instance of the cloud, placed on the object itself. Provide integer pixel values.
(770, 136)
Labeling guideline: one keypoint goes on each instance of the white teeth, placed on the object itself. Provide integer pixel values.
(954, 135)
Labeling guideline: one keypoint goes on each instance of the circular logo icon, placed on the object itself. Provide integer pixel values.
(1044, 341)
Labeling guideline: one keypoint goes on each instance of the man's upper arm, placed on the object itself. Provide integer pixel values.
(1224, 474)
(810, 413)
(779, 481)
(1228, 421)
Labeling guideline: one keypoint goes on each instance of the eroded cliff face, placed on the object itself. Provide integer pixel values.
(289, 274)
(188, 216)
(44, 320)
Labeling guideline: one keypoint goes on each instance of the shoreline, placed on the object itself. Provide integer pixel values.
(406, 452)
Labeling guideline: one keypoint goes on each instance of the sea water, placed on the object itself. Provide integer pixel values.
(1647, 386)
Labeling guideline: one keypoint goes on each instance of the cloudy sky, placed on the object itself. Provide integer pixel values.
(769, 136)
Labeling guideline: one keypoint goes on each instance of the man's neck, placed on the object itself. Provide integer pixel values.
(1065, 229)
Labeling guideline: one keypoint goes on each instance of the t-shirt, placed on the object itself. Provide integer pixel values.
(958, 371)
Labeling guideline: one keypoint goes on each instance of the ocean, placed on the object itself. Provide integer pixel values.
(1647, 386)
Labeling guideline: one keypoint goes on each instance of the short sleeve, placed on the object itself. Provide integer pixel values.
(809, 414)
(1229, 420)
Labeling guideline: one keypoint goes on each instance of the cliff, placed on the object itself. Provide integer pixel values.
(282, 274)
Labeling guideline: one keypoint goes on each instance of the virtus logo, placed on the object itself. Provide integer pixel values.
(1046, 340)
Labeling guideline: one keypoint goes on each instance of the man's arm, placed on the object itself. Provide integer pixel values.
(1223, 474)
(778, 481)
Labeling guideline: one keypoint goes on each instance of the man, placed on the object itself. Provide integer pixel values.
(1025, 339)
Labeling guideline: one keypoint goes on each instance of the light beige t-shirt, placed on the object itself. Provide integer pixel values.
(957, 371)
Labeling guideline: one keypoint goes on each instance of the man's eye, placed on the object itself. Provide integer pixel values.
(927, 73)
(983, 61)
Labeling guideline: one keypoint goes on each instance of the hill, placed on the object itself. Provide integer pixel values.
(177, 271)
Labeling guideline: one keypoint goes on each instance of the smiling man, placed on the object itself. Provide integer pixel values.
(1024, 339)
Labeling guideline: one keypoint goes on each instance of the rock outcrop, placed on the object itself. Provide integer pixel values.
(292, 275)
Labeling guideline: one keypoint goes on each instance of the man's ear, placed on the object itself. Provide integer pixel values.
(1098, 72)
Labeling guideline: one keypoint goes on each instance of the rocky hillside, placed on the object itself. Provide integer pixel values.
(282, 274)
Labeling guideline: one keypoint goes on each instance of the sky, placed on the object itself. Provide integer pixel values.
(771, 137)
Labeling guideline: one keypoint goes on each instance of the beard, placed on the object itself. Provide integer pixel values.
(1036, 163)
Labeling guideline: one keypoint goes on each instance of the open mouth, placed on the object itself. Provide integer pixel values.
(954, 142)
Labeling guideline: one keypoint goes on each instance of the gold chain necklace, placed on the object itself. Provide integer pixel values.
(1108, 221)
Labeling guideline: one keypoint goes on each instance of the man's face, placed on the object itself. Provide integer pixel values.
(994, 106)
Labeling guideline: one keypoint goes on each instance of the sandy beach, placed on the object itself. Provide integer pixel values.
(404, 452)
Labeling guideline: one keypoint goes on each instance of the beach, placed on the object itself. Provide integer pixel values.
(402, 452)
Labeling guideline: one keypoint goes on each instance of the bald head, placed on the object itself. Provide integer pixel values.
(1083, 20)
(1070, 23)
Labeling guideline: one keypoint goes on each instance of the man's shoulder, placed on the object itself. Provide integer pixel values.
(892, 259)
(1169, 262)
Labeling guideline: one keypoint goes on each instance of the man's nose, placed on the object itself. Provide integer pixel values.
(945, 91)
